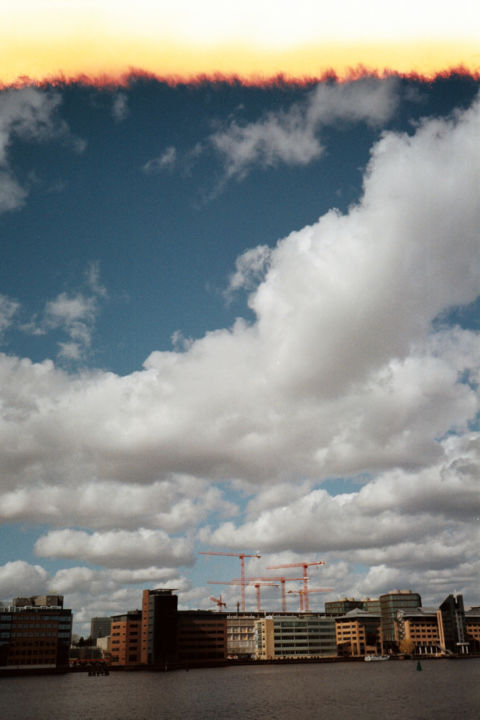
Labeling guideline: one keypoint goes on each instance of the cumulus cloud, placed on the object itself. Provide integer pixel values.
(345, 370)
(20, 579)
(291, 136)
(117, 548)
(28, 114)
(342, 371)
(73, 313)
(173, 505)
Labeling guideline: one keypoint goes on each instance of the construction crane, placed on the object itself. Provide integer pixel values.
(282, 580)
(257, 584)
(242, 557)
(305, 566)
(237, 583)
(219, 602)
(303, 596)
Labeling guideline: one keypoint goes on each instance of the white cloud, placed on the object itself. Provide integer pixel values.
(19, 579)
(75, 314)
(343, 371)
(250, 269)
(165, 161)
(173, 505)
(291, 136)
(28, 114)
(117, 548)
(8, 308)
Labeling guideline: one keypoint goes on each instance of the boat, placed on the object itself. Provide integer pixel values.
(376, 658)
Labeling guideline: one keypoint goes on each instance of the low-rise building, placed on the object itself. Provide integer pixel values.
(417, 631)
(125, 638)
(294, 637)
(358, 633)
(35, 636)
(241, 635)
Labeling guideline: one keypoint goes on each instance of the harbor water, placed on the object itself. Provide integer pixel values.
(337, 691)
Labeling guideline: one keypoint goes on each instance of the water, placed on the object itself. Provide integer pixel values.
(390, 691)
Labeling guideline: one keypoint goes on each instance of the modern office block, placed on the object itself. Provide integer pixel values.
(301, 636)
(100, 627)
(358, 633)
(35, 637)
(390, 603)
(451, 623)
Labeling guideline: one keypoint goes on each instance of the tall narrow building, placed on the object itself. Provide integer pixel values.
(451, 622)
(159, 627)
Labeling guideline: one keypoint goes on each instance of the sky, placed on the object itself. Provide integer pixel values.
(239, 302)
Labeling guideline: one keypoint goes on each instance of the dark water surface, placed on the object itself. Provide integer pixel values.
(342, 691)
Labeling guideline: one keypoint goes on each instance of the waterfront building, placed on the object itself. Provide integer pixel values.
(390, 603)
(417, 631)
(100, 627)
(358, 633)
(472, 629)
(451, 624)
(125, 638)
(35, 636)
(159, 627)
(241, 635)
(294, 637)
(202, 638)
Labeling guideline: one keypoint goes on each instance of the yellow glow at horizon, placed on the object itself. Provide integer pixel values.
(45, 38)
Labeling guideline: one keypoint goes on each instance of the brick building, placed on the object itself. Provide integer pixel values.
(125, 638)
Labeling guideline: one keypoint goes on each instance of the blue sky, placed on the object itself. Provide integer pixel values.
(239, 318)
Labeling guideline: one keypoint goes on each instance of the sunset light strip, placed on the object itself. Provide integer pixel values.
(42, 39)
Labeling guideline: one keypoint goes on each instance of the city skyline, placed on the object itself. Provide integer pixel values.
(239, 316)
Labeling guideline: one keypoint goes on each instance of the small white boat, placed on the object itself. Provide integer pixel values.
(376, 658)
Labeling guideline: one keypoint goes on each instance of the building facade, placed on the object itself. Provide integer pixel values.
(159, 627)
(451, 625)
(358, 633)
(35, 636)
(417, 631)
(241, 635)
(342, 606)
(390, 603)
(100, 627)
(125, 638)
(472, 629)
(294, 637)
(202, 638)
